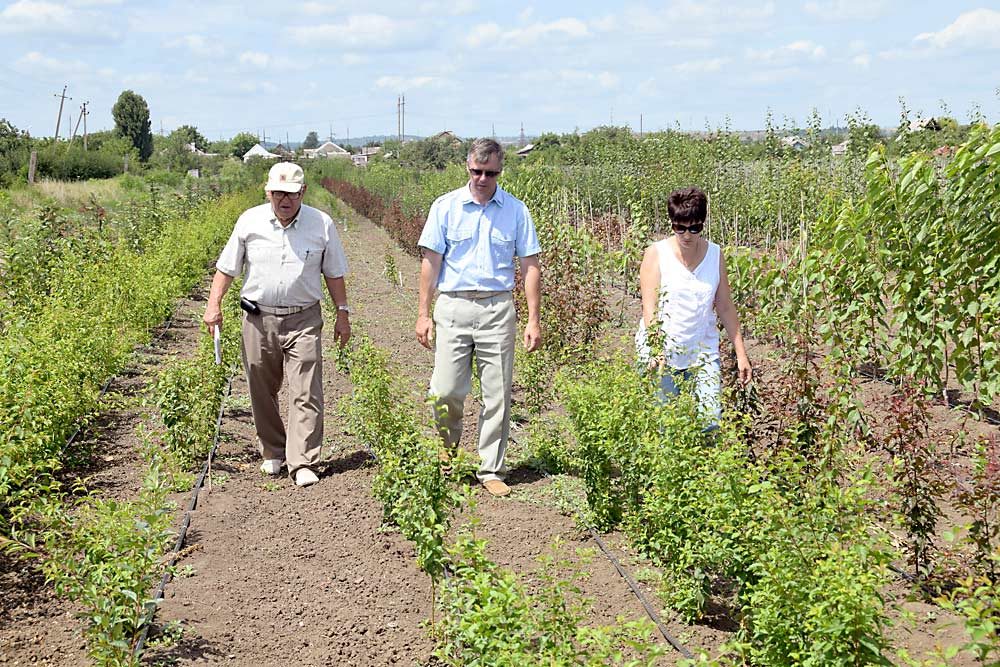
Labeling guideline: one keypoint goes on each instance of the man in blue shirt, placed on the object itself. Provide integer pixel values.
(469, 243)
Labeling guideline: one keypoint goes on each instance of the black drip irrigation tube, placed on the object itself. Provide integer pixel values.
(104, 390)
(206, 467)
(634, 587)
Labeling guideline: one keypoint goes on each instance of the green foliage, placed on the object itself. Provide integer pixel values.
(106, 556)
(101, 300)
(789, 545)
(131, 114)
(190, 134)
(488, 619)
(14, 149)
(414, 492)
(241, 143)
(64, 162)
(188, 392)
(311, 140)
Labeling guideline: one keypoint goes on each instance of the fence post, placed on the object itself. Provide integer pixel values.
(32, 163)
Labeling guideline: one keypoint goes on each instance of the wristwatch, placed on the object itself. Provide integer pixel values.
(344, 307)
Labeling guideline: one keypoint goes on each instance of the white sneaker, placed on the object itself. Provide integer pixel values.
(305, 477)
(271, 466)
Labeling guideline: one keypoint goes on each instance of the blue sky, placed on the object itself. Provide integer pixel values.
(470, 66)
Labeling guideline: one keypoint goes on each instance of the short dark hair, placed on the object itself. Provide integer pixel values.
(482, 149)
(687, 205)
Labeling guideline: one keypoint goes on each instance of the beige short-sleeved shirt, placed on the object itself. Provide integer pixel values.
(283, 265)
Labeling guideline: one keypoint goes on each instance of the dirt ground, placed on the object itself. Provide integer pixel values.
(277, 575)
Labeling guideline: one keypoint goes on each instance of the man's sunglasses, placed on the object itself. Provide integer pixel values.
(479, 172)
(694, 229)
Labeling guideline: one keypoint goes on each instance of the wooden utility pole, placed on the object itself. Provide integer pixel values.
(402, 118)
(83, 113)
(62, 100)
(640, 126)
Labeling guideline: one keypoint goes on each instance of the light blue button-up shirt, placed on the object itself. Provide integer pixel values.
(478, 242)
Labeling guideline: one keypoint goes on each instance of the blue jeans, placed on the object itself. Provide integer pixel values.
(705, 380)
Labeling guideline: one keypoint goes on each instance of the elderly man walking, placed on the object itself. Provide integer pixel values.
(469, 243)
(285, 248)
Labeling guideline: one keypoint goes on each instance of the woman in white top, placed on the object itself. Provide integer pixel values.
(685, 289)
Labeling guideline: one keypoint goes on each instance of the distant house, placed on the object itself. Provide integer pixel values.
(283, 152)
(448, 137)
(841, 148)
(259, 152)
(327, 150)
(945, 151)
(197, 151)
(930, 123)
(524, 151)
(794, 142)
(361, 159)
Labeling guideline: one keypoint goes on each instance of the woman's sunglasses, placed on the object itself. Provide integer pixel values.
(694, 229)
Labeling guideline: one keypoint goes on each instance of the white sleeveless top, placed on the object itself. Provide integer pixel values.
(687, 309)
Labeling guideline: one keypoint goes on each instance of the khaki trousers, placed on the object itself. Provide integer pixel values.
(275, 347)
(486, 327)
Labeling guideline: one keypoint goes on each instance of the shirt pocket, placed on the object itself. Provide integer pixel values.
(461, 233)
(502, 248)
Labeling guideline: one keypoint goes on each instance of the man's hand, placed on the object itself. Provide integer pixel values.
(745, 369)
(342, 328)
(424, 330)
(213, 315)
(532, 336)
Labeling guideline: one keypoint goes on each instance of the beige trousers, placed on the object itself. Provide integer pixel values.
(276, 347)
(486, 327)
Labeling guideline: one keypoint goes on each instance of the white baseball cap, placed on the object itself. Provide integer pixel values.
(285, 177)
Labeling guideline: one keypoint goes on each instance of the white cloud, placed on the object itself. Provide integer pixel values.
(354, 59)
(319, 8)
(862, 60)
(573, 78)
(793, 51)
(258, 87)
(196, 44)
(255, 58)
(143, 80)
(684, 20)
(453, 8)
(488, 34)
(693, 67)
(979, 28)
(405, 83)
(847, 10)
(525, 14)
(773, 76)
(367, 31)
(38, 62)
(36, 15)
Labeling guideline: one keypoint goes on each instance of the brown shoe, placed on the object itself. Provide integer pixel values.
(497, 488)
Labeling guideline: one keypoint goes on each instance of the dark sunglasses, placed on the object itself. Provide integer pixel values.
(694, 229)
(479, 172)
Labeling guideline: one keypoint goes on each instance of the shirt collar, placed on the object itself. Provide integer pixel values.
(498, 196)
